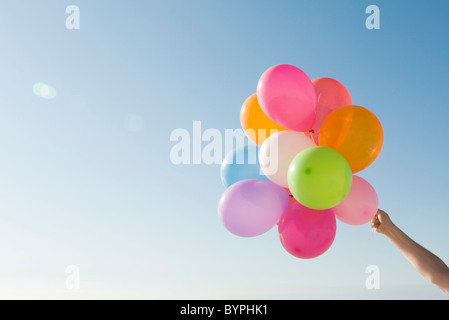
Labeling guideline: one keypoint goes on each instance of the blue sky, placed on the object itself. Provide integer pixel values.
(80, 186)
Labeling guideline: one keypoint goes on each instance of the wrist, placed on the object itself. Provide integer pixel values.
(391, 231)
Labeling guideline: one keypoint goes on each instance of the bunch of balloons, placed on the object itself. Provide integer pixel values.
(310, 140)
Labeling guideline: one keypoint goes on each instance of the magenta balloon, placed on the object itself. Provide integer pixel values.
(360, 205)
(287, 96)
(307, 233)
(249, 208)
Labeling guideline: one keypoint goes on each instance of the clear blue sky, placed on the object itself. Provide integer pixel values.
(81, 186)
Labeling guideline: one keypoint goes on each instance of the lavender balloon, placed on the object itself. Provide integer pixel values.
(249, 208)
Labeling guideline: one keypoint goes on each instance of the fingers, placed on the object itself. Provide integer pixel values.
(381, 216)
(375, 222)
(381, 213)
(381, 222)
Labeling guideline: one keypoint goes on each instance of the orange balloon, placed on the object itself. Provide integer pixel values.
(255, 122)
(356, 133)
(291, 198)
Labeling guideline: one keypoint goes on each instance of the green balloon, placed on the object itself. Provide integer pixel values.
(319, 178)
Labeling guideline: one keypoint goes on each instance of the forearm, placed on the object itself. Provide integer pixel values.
(424, 261)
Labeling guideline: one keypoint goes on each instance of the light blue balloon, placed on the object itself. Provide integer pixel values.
(241, 164)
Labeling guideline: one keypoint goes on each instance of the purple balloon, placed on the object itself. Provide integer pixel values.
(249, 208)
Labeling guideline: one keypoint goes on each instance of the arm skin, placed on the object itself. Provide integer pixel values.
(424, 261)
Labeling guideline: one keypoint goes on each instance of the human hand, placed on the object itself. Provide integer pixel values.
(381, 222)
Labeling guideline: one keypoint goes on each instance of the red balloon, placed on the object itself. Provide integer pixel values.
(331, 95)
(307, 233)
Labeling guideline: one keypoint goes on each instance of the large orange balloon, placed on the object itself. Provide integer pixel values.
(356, 133)
(255, 122)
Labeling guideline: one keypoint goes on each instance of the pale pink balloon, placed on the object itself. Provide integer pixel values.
(361, 204)
(287, 96)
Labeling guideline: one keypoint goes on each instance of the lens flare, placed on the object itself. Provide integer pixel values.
(44, 91)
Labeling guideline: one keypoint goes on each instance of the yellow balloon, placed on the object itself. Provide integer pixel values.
(356, 133)
(255, 122)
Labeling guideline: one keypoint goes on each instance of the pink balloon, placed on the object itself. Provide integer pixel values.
(307, 233)
(361, 204)
(331, 95)
(249, 208)
(287, 96)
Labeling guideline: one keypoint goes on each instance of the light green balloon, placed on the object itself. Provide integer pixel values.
(319, 178)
